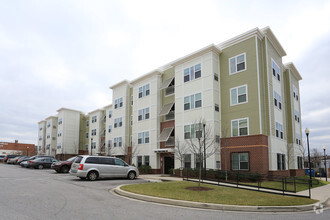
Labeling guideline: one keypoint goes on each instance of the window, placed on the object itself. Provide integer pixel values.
(277, 100)
(110, 128)
(146, 160)
(40, 138)
(170, 88)
(297, 139)
(93, 145)
(131, 120)
(237, 64)
(295, 93)
(280, 161)
(117, 142)
(131, 100)
(217, 139)
(118, 122)
(94, 118)
(47, 146)
(48, 124)
(240, 161)
(240, 127)
(187, 160)
(143, 114)
(143, 137)
(59, 145)
(276, 70)
(139, 161)
(296, 116)
(59, 121)
(193, 101)
(110, 113)
(216, 77)
(144, 90)
(192, 73)
(48, 136)
(93, 132)
(300, 162)
(279, 130)
(119, 162)
(87, 123)
(59, 134)
(216, 107)
(238, 95)
(192, 131)
(86, 135)
(119, 103)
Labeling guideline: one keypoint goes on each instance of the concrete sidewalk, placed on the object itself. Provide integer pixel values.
(321, 193)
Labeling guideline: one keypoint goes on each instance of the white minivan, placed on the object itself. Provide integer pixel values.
(94, 167)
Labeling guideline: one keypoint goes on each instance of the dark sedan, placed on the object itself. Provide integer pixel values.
(63, 166)
(40, 163)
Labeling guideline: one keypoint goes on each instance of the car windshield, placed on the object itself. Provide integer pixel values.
(78, 159)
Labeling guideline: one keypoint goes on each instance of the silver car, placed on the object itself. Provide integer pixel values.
(94, 167)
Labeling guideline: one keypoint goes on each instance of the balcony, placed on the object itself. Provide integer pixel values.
(170, 116)
(170, 141)
(169, 90)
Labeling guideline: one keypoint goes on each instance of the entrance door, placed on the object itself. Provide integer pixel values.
(168, 164)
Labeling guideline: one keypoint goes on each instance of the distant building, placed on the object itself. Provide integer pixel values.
(17, 148)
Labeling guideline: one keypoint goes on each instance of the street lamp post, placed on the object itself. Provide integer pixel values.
(325, 164)
(309, 158)
(91, 146)
(204, 124)
(27, 151)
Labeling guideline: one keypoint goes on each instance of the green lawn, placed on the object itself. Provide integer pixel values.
(218, 194)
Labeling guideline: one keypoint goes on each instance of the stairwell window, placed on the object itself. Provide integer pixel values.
(277, 100)
(240, 127)
(238, 95)
(240, 161)
(191, 73)
(279, 130)
(193, 101)
(237, 64)
(276, 71)
(144, 90)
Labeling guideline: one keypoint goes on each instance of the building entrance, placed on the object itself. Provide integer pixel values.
(168, 164)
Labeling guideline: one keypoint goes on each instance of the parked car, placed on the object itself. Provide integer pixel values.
(10, 156)
(40, 163)
(2, 158)
(31, 158)
(63, 166)
(94, 167)
(13, 160)
(24, 163)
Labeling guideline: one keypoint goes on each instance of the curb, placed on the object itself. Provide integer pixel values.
(301, 208)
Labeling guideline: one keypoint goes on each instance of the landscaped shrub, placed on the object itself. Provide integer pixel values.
(145, 169)
(253, 177)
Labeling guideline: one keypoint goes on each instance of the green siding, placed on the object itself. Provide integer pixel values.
(249, 77)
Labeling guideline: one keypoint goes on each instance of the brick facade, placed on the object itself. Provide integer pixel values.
(255, 145)
(25, 149)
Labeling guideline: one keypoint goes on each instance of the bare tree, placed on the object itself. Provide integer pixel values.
(197, 142)
(316, 156)
(131, 152)
(181, 149)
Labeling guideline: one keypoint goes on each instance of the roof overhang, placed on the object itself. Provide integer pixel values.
(146, 76)
(124, 82)
(166, 83)
(165, 134)
(273, 40)
(164, 150)
(294, 70)
(166, 109)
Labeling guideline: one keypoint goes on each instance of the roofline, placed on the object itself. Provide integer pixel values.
(244, 36)
(107, 106)
(68, 109)
(154, 72)
(272, 38)
(51, 117)
(294, 70)
(41, 121)
(97, 110)
(119, 84)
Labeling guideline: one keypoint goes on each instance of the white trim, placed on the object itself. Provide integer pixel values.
(246, 86)
(238, 119)
(236, 63)
(258, 73)
(269, 100)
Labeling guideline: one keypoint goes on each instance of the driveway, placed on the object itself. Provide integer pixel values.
(45, 194)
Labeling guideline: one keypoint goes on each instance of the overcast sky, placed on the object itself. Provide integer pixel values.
(65, 53)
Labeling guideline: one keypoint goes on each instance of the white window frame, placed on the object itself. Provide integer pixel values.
(297, 116)
(94, 118)
(144, 136)
(192, 73)
(117, 142)
(236, 89)
(192, 105)
(110, 128)
(192, 130)
(119, 102)
(277, 74)
(144, 90)
(279, 129)
(278, 99)
(110, 113)
(239, 160)
(238, 120)
(235, 57)
(144, 113)
(118, 122)
(93, 133)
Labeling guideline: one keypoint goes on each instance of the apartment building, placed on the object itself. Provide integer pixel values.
(41, 137)
(237, 93)
(241, 91)
(51, 136)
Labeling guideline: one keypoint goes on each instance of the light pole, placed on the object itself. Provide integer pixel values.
(27, 151)
(325, 164)
(309, 158)
(204, 124)
(91, 146)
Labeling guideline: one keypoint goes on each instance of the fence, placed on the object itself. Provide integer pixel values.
(253, 181)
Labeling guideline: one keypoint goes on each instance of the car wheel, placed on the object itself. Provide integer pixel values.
(64, 169)
(40, 166)
(131, 175)
(92, 175)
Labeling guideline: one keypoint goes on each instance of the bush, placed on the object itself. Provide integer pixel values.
(254, 177)
(145, 169)
(171, 171)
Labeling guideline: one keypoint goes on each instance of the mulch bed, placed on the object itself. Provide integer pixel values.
(196, 188)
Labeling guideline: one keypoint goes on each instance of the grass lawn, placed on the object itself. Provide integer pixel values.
(218, 194)
(289, 186)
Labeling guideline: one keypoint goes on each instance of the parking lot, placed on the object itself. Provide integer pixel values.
(44, 194)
